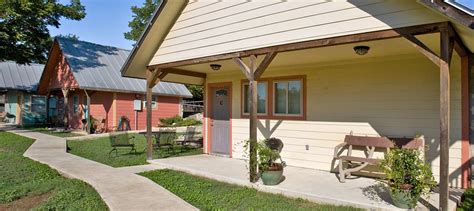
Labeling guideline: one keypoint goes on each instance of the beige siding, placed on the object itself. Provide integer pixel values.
(389, 98)
(214, 27)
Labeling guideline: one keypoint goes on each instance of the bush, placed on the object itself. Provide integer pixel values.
(408, 174)
(178, 121)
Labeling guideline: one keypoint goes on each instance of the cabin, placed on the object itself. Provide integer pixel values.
(312, 72)
(19, 103)
(83, 86)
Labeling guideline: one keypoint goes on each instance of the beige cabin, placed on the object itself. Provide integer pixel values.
(300, 71)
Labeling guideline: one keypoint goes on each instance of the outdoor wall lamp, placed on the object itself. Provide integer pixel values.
(215, 67)
(361, 50)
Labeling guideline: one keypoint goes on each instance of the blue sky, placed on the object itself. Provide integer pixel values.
(105, 22)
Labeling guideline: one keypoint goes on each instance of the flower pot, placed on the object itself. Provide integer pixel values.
(272, 176)
(401, 199)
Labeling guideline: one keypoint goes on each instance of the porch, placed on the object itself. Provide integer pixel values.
(314, 185)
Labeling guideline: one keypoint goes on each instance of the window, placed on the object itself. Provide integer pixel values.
(38, 104)
(288, 97)
(154, 103)
(75, 104)
(277, 98)
(262, 90)
(2, 103)
(53, 102)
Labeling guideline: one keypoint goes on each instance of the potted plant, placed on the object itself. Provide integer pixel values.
(408, 176)
(270, 171)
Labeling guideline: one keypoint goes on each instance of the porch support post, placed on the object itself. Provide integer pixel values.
(152, 78)
(66, 107)
(88, 114)
(447, 44)
(465, 119)
(253, 72)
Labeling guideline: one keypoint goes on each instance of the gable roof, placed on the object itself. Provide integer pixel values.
(97, 67)
(14, 76)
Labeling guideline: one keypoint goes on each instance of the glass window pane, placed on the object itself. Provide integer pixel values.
(294, 97)
(261, 98)
(246, 98)
(280, 97)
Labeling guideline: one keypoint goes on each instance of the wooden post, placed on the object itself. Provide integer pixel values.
(465, 117)
(88, 115)
(446, 53)
(152, 80)
(66, 108)
(253, 120)
(253, 73)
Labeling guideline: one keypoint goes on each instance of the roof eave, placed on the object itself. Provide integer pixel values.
(450, 11)
(166, 14)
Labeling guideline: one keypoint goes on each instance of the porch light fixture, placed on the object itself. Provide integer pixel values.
(215, 67)
(361, 50)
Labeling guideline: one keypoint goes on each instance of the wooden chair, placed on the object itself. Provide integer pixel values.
(188, 137)
(121, 140)
(369, 144)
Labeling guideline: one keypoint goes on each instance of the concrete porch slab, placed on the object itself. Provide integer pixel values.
(314, 185)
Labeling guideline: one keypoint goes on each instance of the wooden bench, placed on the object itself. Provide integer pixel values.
(370, 144)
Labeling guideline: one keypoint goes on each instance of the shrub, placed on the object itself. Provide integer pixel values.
(407, 174)
(178, 121)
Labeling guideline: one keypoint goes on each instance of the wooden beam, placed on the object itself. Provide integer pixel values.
(162, 75)
(88, 114)
(422, 48)
(446, 51)
(459, 45)
(66, 107)
(184, 72)
(152, 80)
(450, 11)
(347, 39)
(243, 67)
(465, 122)
(152, 76)
(265, 63)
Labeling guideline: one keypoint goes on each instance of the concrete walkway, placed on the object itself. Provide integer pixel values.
(121, 190)
(310, 184)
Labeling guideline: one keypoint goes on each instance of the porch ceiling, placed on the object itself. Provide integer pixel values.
(324, 56)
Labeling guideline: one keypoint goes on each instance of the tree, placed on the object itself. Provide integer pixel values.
(196, 91)
(140, 19)
(68, 36)
(24, 34)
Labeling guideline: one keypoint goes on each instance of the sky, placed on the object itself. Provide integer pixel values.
(105, 22)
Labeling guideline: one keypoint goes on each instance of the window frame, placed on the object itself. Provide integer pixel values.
(152, 107)
(243, 98)
(270, 113)
(31, 104)
(74, 104)
(287, 97)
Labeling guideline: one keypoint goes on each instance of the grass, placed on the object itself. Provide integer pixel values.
(98, 150)
(24, 180)
(207, 194)
(53, 132)
(467, 200)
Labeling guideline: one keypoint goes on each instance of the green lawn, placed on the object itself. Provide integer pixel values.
(467, 200)
(207, 194)
(98, 150)
(53, 132)
(27, 184)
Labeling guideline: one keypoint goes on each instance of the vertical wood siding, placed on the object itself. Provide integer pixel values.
(379, 98)
(208, 28)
